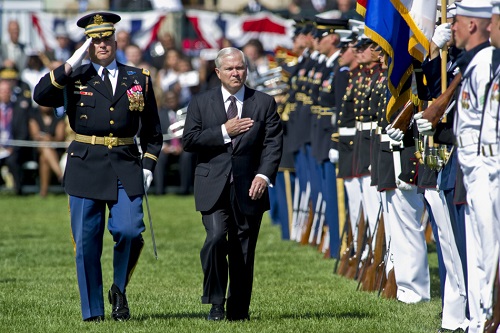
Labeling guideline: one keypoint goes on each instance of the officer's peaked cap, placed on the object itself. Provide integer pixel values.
(99, 24)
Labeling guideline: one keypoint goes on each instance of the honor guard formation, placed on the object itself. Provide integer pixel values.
(340, 169)
(371, 189)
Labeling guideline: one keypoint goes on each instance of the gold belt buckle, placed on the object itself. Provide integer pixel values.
(110, 141)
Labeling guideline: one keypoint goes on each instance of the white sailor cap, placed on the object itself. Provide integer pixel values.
(355, 24)
(346, 36)
(474, 8)
(496, 7)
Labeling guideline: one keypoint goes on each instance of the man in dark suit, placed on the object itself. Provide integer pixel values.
(237, 134)
(105, 102)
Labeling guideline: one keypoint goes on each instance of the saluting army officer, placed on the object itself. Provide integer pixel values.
(105, 101)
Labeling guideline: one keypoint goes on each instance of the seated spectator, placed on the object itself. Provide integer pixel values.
(64, 48)
(34, 70)
(258, 63)
(45, 127)
(14, 115)
(133, 54)
(122, 41)
(10, 73)
(157, 51)
(12, 49)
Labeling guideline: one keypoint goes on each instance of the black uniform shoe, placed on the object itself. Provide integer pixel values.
(238, 318)
(119, 304)
(216, 312)
(95, 319)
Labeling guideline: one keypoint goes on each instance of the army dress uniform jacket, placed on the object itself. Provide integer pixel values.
(93, 170)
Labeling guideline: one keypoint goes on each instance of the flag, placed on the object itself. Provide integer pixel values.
(385, 26)
(142, 26)
(361, 7)
(270, 29)
(208, 26)
(420, 15)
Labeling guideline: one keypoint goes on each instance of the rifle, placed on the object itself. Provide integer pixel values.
(352, 269)
(316, 220)
(390, 288)
(436, 110)
(345, 232)
(370, 278)
(369, 259)
(404, 118)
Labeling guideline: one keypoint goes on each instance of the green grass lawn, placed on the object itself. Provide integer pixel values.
(294, 288)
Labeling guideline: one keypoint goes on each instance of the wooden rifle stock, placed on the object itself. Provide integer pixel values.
(438, 107)
(403, 119)
(353, 266)
(370, 279)
(344, 258)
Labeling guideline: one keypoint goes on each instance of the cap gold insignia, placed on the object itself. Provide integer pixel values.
(98, 20)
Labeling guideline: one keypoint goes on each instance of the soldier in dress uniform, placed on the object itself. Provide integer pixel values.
(470, 30)
(440, 164)
(291, 104)
(346, 77)
(366, 123)
(324, 123)
(106, 102)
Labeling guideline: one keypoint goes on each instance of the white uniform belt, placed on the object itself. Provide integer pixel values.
(368, 126)
(385, 138)
(347, 131)
(489, 149)
(467, 139)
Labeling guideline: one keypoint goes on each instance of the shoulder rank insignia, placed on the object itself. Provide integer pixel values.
(145, 71)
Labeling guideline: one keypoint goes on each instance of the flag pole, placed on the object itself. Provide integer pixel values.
(444, 55)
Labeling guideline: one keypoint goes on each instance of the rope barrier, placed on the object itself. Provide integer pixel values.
(58, 144)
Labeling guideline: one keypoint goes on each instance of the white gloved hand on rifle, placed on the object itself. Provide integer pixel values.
(333, 155)
(403, 186)
(424, 126)
(148, 178)
(442, 35)
(394, 133)
(76, 59)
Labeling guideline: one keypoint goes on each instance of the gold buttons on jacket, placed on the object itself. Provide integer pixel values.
(112, 122)
(81, 104)
(111, 109)
(110, 134)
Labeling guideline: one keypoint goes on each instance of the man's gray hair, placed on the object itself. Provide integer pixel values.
(228, 51)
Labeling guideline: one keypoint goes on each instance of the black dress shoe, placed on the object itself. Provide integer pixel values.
(216, 312)
(239, 318)
(95, 319)
(119, 304)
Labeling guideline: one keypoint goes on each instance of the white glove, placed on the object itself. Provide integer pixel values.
(403, 186)
(333, 155)
(59, 112)
(148, 178)
(442, 35)
(424, 126)
(76, 59)
(394, 133)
